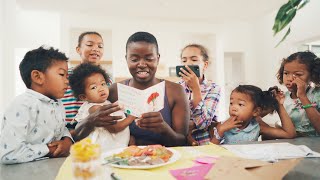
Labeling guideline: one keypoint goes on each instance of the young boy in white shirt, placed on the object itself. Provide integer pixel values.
(33, 125)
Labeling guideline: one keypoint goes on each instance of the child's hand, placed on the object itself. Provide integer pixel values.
(301, 86)
(230, 123)
(62, 147)
(52, 149)
(190, 78)
(279, 95)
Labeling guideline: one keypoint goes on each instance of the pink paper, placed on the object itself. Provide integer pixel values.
(206, 159)
(197, 172)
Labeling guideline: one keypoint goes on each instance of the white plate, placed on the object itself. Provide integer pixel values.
(175, 156)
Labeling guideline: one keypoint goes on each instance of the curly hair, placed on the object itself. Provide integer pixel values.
(39, 59)
(80, 74)
(309, 59)
(262, 99)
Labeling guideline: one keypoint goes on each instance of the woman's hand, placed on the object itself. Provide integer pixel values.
(153, 121)
(190, 78)
(102, 118)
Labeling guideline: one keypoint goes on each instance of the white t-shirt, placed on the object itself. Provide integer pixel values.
(107, 140)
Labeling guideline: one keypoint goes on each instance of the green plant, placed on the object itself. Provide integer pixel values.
(285, 15)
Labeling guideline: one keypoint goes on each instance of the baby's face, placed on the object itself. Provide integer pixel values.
(241, 106)
(96, 89)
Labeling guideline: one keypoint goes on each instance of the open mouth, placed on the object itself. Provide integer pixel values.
(103, 95)
(142, 74)
(94, 56)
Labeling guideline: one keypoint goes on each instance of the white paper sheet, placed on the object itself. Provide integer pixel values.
(136, 102)
(271, 151)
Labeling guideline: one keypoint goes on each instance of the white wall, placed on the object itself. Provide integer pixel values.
(35, 28)
(268, 58)
(22, 30)
(7, 55)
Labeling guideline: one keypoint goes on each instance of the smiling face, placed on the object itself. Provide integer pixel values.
(192, 56)
(142, 59)
(91, 49)
(293, 70)
(96, 89)
(241, 105)
(56, 81)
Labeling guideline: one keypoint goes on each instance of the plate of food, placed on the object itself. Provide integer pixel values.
(141, 157)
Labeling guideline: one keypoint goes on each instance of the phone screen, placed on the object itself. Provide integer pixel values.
(194, 68)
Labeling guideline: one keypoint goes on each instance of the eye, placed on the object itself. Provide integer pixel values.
(150, 58)
(93, 87)
(62, 74)
(285, 73)
(100, 46)
(134, 60)
(103, 84)
(89, 45)
(230, 103)
(241, 105)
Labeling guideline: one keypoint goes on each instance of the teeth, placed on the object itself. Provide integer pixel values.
(142, 72)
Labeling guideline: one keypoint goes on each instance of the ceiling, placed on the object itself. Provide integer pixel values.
(214, 11)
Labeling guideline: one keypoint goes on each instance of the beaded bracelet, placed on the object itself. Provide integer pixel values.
(309, 105)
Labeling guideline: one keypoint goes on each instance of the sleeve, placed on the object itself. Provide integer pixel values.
(14, 145)
(203, 114)
(83, 112)
(66, 133)
(317, 99)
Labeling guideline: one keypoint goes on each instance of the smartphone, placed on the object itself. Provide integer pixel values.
(194, 68)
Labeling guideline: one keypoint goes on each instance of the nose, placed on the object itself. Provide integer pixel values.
(95, 48)
(66, 80)
(142, 63)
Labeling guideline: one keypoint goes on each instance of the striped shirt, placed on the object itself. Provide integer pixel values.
(205, 112)
(71, 105)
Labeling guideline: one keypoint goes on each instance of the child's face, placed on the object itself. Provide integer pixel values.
(91, 49)
(241, 106)
(294, 70)
(192, 56)
(96, 89)
(56, 80)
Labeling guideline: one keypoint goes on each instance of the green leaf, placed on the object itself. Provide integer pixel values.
(285, 15)
(284, 37)
(287, 20)
(303, 4)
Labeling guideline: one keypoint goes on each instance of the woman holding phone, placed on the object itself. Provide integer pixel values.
(203, 94)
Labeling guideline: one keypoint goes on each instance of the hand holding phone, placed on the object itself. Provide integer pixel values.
(194, 68)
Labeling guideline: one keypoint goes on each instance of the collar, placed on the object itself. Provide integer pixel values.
(252, 125)
(40, 96)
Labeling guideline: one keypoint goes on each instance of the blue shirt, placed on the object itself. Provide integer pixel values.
(236, 135)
